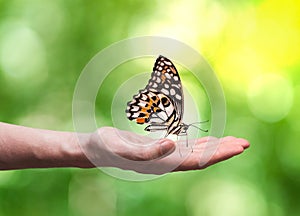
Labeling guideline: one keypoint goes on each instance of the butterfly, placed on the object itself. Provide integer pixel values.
(160, 104)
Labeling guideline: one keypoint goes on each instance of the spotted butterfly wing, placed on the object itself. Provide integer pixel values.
(165, 79)
(160, 103)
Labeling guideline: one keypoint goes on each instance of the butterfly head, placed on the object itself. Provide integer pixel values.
(183, 129)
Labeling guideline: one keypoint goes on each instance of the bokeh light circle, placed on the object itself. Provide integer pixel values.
(22, 52)
(94, 74)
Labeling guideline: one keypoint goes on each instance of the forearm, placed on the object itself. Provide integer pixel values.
(23, 147)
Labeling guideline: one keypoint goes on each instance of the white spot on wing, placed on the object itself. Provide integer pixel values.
(142, 103)
(169, 110)
(135, 108)
(168, 63)
(178, 96)
(168, 75)
(165, 91)
(173, 92)
(151, 94)
(163, 115)
(135, 115)
(133, 101)
(144, 97)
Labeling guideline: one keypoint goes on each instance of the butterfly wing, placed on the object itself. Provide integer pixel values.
(153, 108)
(166, 118)
(160, 104)
(165, 79)
(142, 106)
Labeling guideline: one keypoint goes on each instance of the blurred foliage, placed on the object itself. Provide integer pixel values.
(253, 47)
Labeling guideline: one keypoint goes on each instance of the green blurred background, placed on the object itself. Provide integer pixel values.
(254, 48)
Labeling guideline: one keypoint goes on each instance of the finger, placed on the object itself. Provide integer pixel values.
(211, 142)
(198, 141)
(237, 141)
(226, 151)
(243, 142)
(163, 148)
(198, 160)
(228, 138)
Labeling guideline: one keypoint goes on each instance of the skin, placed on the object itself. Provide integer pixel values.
(24, 147)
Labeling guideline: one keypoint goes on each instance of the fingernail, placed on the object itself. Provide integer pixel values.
(166, 146)
(245, 143)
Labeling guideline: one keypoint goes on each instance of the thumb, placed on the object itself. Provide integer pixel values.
(163, 148)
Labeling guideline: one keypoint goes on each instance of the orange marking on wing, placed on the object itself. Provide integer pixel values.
(140, 120)
(173, 70)
(163, 78)
(145, 109)
(154, 101)
(155, 109)
(150, 103)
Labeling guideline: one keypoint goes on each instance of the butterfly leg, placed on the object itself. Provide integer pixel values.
(166, 133)
(187, 142)
(157, 127)
(179, 148)
(154, 128)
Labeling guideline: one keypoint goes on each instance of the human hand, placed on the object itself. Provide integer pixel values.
(127, 150)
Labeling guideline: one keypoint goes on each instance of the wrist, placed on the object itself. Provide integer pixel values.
(73, 152)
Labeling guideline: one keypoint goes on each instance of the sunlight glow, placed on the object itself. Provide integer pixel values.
(190, 22)
(270, 97)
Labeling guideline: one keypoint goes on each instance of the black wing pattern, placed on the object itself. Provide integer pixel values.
(165, 79)
(160, 103)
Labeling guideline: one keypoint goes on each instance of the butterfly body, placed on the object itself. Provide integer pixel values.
(160, 103)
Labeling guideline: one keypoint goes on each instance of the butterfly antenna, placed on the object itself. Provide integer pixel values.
(198, 128)
(199, 122)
